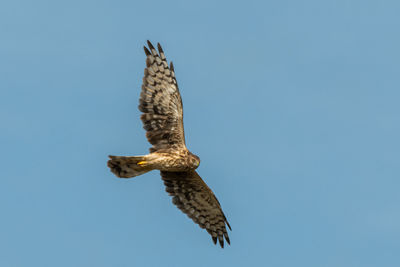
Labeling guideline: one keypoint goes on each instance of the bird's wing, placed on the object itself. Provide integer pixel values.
(161, 103)
(192, 196)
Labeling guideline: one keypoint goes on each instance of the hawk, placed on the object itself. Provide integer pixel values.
(161, 105)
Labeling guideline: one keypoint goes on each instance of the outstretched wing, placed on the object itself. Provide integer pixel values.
(160, 102)
(192, 196)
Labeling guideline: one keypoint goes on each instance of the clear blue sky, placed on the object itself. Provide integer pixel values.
(293, 107)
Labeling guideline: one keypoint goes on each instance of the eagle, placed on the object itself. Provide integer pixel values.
(161, 105)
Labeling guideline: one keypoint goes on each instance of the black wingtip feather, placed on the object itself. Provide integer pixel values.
(160, 50)
(221, 243)
(171, 66)
(146, 51)
(228, 225)
(150, 45)
(214, 238)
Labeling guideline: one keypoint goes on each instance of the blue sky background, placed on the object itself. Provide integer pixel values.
(293, 107)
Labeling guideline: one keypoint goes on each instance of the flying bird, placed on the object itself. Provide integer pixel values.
(161, 105)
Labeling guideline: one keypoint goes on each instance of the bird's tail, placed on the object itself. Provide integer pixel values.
(127, 167)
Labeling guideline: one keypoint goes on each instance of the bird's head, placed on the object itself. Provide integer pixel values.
(195, 161)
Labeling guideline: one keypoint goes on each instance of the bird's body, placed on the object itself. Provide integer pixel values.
(170, 160)
(162, 118)
(174, 160)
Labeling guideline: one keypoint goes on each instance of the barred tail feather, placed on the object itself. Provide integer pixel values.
(127, 167)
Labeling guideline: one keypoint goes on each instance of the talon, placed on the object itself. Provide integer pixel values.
(141, 163)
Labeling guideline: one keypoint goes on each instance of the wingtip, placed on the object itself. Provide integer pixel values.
(171, 66)
(227, 238)
(228, 225)
(160, 48)
(150, 45)
(146, 51)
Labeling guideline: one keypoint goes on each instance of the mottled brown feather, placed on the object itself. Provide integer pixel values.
(161, 103)
(192, 196)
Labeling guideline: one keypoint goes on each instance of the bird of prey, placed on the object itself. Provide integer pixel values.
(161, 105)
